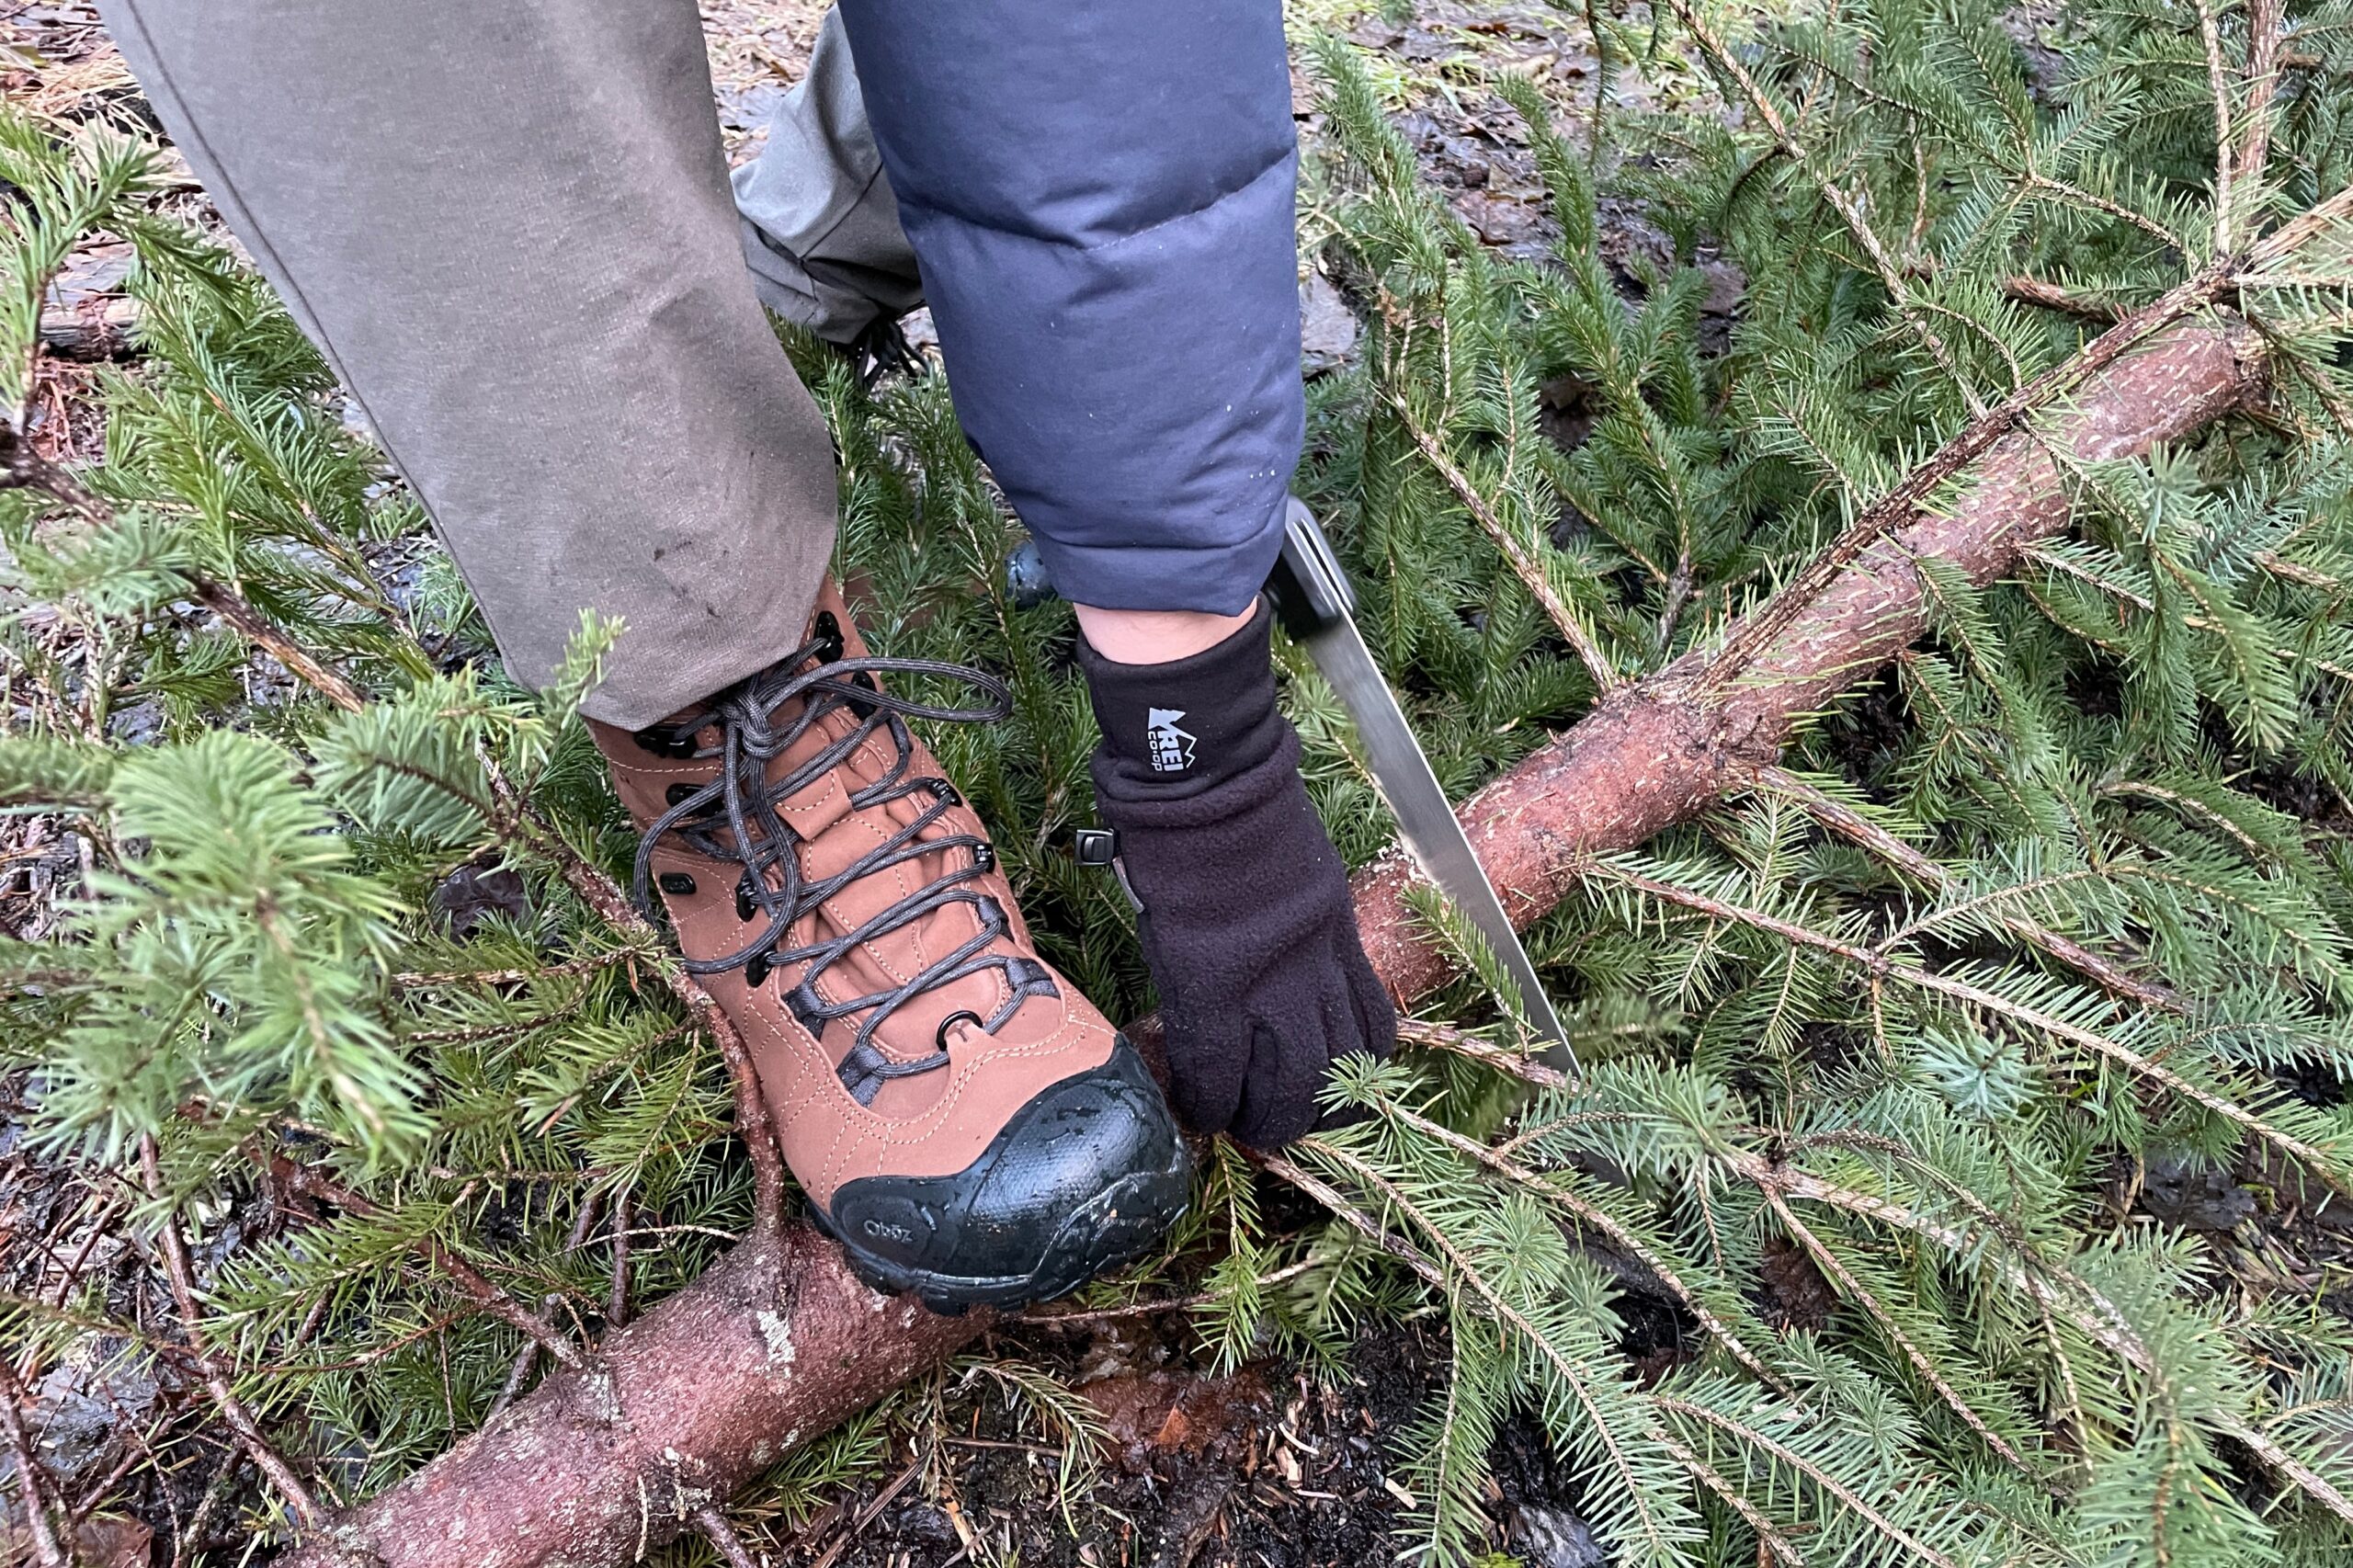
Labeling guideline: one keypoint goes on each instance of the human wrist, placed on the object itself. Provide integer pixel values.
(1181, 725)
(1156, 636)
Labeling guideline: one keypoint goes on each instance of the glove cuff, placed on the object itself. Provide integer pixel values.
(1179, 727)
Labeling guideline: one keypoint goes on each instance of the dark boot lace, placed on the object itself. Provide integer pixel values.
(735, 818)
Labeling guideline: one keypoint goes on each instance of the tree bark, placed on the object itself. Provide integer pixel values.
(776, 1342)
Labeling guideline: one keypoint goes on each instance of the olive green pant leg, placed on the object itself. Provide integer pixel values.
(511, 230)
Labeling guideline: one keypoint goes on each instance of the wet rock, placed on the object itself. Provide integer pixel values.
(98, 1543)
(1420, 44)
(1421, 130)
(920, 1522)
(86, 314)
(80, 1405)
(1327, 328)
(472, 895)
(1497, 220)
(1727, 285)
(1192, 1516)
(1545, 1536)
(2182, 1188)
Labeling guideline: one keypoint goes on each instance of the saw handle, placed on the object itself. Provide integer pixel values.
(1309, 589)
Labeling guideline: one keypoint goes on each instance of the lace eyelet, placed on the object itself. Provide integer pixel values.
(677, 794)
(745, 909)
(984, 857)
(830, 645)
(677, 882)
(944, 792)
(664, 742)
(755, 969)
(939, 1035)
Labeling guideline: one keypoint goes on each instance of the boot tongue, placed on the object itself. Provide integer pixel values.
(834, 838)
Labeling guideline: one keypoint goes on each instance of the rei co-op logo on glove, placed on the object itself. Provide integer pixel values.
(1171, 748)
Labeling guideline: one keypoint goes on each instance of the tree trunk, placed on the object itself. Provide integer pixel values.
(776, 1344)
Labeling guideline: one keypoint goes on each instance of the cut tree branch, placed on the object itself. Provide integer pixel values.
(1666, 748)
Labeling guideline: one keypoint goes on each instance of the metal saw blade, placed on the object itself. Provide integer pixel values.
(1425, 821)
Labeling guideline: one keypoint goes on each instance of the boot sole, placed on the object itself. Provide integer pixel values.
(1117, 1226)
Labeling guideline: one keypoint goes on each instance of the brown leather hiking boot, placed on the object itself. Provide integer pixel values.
(961, 1119)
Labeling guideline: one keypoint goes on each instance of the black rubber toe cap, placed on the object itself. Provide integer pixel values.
(1087, 1175)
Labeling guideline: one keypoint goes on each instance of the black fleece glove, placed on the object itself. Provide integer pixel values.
(1246, 926)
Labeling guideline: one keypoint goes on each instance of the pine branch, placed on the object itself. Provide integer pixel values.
(1669, 746)
(517, 821)
(1891, 274)
(2225, 148)
(1460, 1042)
(1859, 830)
(1902, 502)
(1573, 1381)
(616, 1301)
(1355, 1218)
(1879, 965)
(1528, 568)
(1781, 1453)
(2267, 29)
(1772, 1540)
(2051, 1290)
(1854, 1290)
(521, 823)
(1594, 1217)
(263, 633)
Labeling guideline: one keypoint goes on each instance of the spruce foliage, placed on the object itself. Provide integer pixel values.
(2061, 896)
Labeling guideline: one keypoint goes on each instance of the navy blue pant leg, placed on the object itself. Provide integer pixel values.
(1100, 196)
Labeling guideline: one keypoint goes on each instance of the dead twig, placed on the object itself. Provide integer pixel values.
(866, 1516)
(1046, 1318)
(721, 1535)
(33, 1488)
(617, 1303)
(528, 1354)
(307, 1512)
(2050, 297)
